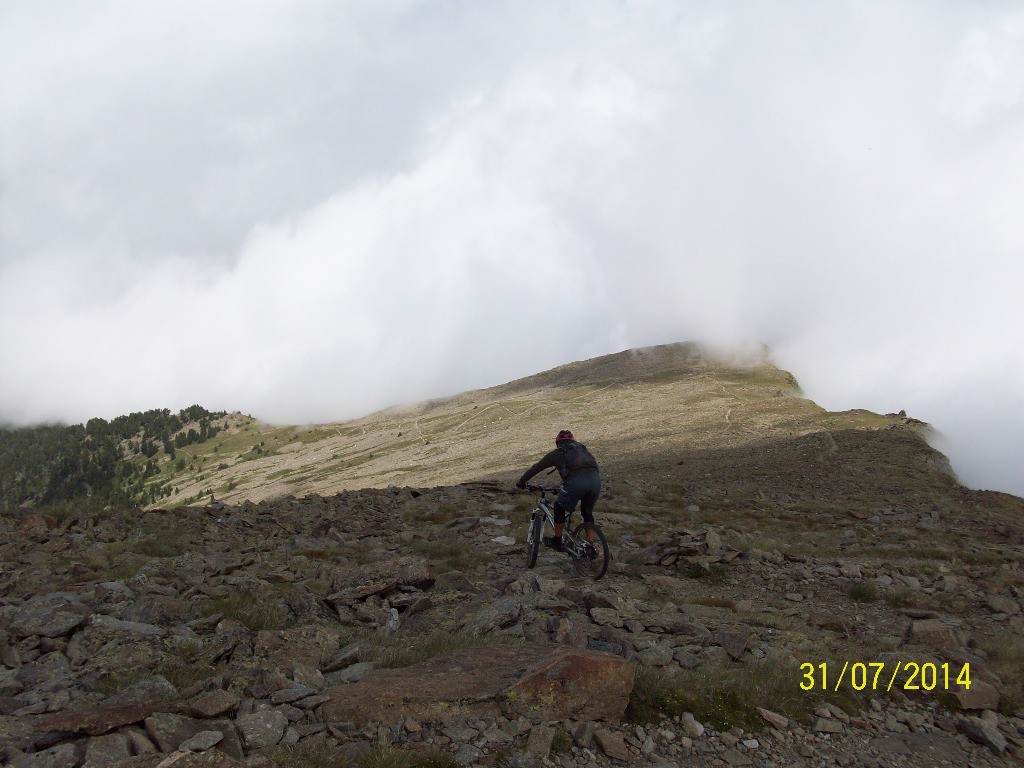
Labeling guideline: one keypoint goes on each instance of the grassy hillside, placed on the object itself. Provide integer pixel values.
(661, 411)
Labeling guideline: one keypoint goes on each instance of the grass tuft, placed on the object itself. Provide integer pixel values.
(452, 555)
(725, 697)
(394, 757)
(1006, 660)
(403, 650)
(255, 612)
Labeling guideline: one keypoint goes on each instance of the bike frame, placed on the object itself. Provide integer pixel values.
(546, 510)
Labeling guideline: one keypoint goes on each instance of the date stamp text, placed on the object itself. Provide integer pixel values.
(880, 676)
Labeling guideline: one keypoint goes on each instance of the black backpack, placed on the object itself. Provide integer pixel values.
(577, 457)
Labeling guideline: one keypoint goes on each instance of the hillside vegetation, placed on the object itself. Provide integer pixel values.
(638, 410)
(104, 462)
(676, 408)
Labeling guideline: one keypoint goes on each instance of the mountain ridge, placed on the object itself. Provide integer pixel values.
(637, 408)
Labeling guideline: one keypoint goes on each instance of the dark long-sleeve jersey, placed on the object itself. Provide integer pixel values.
(556, 459)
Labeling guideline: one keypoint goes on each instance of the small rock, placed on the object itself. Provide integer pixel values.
(460, 733)
(140, 743)
(979, 731)
(779, 721)
(288, 695)
(213, 704)
(584, 735)
(606, 617)
(155, 688)
(351, 674)
(1000, 604)
(345, 657)
(827, 725)
(502, 613)
(734, 642)
(933, 633)
(612, 744)
(106, 750)
(691, 727)
(686, 659)
(61, 756)
(262, 729)
(468, 754)
(201, 742)
(658, 656)
(980, 695)
(539, 742)
(309, 676)
(736, 758)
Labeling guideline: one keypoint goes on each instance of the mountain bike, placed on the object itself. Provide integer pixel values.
(587, 545)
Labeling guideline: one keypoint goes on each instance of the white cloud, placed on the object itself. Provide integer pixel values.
(308, 213)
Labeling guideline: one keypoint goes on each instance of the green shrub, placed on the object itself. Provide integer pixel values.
(561, 743)
(864, 591)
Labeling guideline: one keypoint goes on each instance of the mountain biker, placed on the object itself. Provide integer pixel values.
(581, 482)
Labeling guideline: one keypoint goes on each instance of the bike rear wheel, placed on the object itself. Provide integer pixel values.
(533, 535)
(590, 555)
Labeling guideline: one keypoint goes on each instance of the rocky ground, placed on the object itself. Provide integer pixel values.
(400, 627)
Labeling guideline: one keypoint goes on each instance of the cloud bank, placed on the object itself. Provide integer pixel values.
(310, 211)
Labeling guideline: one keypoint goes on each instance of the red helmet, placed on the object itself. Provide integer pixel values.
(564, 435)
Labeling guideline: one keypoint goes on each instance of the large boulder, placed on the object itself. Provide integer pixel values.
(552, 682)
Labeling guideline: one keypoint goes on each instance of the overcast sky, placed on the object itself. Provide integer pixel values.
(311, 210)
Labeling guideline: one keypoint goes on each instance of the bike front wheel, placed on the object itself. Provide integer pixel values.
(533, 535)
(590, 552)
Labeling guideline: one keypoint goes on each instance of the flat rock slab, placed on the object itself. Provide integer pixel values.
(550, 682)
(96, 720)
(43, 622)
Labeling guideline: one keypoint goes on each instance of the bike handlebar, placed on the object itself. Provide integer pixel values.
(541, 489)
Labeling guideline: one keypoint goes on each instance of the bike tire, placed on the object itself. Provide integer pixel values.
(597, 566)
(533, 536)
